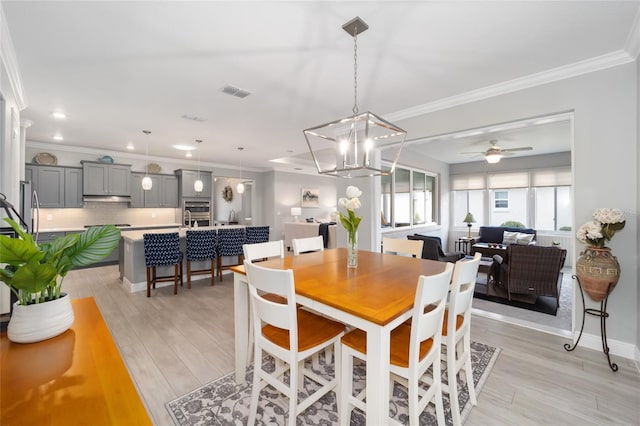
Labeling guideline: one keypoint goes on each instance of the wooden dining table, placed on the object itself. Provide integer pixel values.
(375, 297)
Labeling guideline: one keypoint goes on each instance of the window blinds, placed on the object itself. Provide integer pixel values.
(557, 176)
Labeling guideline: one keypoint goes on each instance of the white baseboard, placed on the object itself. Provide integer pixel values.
(616, 347)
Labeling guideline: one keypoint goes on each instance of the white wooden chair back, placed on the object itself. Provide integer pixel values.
(402, 247)
(263, 250)
(265, 311)
(303, 245)
(431, 290)
(463, 284)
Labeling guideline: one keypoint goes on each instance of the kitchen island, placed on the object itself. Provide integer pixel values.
(133, 270)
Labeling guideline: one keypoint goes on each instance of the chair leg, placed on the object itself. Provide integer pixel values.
(437, 375)
(188, 273)
(181, 272)
(347, 386)
(219, 268)
(255, 392)
(294, 371)
(212, 272)
(412, 396)
(468, 369)
(153, 276)
(148, 282)
(452, 382)
(175, 278)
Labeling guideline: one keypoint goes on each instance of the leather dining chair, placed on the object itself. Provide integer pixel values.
(290, 335)
(414, 349)
(162, 250)
(201, 246)
(456, 332)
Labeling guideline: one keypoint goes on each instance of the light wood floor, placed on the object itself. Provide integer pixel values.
(174, 344)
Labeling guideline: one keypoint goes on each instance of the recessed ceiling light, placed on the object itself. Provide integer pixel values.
(57, 138)
(189, 154)
(130, 146)
(184, 147)
(59, 115)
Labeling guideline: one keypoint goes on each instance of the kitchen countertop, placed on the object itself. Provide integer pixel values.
(133, 235)
(122, 228)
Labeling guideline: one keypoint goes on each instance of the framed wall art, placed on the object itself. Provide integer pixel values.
(310, 197)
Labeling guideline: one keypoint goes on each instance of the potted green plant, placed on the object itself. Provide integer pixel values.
(35, 272)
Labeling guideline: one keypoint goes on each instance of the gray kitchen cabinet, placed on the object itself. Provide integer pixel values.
(188, 178)
(56, 186)
(163, 192)
(170, 191)
(48, 182)
(106, 179)
(73, 187)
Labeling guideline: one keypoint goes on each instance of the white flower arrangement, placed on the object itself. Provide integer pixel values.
(606, 223)
(350, 221)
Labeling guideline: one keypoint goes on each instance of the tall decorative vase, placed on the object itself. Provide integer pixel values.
(596, 269)
(40, 321)
(352, 249)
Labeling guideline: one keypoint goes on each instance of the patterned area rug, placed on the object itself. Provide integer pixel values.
(223, 402)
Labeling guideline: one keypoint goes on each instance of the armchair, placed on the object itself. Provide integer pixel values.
(432, 249)
(532, 269)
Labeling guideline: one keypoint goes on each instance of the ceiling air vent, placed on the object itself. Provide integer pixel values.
(194, 118)
(235, 91)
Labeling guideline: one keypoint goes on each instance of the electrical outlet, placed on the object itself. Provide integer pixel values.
(49, 217)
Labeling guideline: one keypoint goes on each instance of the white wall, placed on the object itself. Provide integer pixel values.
(604, 156)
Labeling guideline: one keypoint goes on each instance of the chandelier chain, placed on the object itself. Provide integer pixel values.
(355, 71)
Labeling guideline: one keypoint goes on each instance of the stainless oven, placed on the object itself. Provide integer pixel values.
(196, 212)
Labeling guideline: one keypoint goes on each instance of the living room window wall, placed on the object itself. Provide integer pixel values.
(408, 198)
(537, 198)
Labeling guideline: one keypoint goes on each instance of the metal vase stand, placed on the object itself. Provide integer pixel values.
(602, 313)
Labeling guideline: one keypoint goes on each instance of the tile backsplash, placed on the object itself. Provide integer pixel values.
(95, 213)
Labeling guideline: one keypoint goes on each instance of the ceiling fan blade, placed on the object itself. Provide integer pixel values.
(524, 148)
(473, 152)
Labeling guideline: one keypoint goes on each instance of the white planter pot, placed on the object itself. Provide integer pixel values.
(40, 321)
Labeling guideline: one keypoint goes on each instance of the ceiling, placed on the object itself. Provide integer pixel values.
(116, 68)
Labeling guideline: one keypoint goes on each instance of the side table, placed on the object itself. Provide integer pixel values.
(463, 243)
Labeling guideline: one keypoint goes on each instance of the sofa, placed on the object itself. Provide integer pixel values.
(531, 269)
(432, 249)
(496, 234)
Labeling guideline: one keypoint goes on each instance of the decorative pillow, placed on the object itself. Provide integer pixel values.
(524, 239)
(509, 237)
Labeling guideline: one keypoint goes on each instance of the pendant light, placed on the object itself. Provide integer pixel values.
(147, 183)
(240, 186)
(198, 186)
(344, 147)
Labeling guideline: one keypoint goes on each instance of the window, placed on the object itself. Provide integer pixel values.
(501, 200)
(538, 198)
(408, 198)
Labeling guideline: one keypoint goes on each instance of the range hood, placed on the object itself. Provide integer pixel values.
(107, 198)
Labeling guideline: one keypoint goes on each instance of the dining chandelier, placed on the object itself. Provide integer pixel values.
(198, 185)
(240, 186)
(147, 183)
(344, 147)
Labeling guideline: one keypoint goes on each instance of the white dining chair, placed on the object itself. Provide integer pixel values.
(402, 247)
(414, 349)
(304, 245)
(456, 332)
(259, 251)
(290, 335)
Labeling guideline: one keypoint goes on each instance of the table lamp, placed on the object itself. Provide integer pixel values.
(296, 212)
(468, 219)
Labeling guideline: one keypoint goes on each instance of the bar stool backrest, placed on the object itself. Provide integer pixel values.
(230, 241)
(202, 245)
(257, 234)
(162, 249)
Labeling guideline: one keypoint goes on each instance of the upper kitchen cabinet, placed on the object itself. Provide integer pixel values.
(49, 184)
(73, 187)
(106, 179)
(188, 178)
(163, 192)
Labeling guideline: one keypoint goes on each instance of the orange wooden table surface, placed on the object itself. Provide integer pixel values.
(77, 378)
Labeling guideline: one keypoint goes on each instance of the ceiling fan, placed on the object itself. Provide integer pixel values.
(495, 153)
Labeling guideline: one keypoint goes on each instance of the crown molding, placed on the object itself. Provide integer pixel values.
(10, 62)
(632, 46)
(598, 63)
